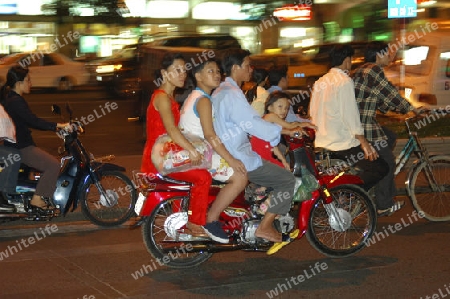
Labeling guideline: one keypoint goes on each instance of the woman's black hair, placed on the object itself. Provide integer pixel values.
(166, 62)
(339, 53)
(259, 75)
(233, 57)
(375, 48)
(15, 74)
(276, 73)
(273, 97)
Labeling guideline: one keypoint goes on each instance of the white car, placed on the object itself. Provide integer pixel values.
(51, 69)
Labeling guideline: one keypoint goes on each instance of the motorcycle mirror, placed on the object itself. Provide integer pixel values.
(56, 109)
(69, 110)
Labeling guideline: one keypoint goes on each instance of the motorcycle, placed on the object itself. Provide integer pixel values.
(107, 195)
(337, 220)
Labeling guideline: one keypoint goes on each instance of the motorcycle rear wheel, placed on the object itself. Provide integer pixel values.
(348, 229)
(171, 253)
(114, 210)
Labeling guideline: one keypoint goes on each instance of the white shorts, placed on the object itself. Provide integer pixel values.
(220, 170)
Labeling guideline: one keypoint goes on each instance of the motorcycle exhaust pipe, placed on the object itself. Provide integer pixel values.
(213, 248)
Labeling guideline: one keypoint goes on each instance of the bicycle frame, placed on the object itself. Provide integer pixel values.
(414, 145)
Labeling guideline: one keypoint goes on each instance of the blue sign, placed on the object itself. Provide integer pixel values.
(402, 8)
(8, 8)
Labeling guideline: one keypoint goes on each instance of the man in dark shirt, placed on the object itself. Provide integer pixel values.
(374, 92)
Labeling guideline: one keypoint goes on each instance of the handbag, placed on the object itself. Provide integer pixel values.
(7, 128)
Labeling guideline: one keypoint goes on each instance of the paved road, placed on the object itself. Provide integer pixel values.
(79, 259)
(71, 258)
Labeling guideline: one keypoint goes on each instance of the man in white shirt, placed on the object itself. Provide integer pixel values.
(334, 111)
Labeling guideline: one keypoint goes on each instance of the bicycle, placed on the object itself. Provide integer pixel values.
(428, 180)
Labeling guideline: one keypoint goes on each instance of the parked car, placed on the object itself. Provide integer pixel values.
(47, 70)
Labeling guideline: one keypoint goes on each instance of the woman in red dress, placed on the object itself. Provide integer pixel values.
(163, 115)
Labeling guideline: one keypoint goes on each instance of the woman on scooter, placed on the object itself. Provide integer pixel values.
(163, 115)
(18, 82)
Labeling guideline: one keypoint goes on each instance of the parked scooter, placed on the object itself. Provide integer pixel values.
(338, 219)
(106, 193)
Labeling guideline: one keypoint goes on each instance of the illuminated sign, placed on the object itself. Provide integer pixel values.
(8, 7)
(402, 8)
(299, 12)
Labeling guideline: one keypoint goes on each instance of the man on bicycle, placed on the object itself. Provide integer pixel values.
(374, 92)
(334, 111)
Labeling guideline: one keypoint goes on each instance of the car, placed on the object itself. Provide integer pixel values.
(320, 54)
(119, 72)
(105, 70)
(205, 41)
(302, 73)
(47, 69)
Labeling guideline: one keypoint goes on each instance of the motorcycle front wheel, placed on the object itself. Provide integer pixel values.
(114, 204)
(163, 235)
(344, 226)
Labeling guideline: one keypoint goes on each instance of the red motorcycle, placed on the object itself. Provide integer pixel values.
(338, 219)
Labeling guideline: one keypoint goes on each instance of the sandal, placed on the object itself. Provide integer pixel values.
(42, 206)
(286, 240)
(196, 230)
(389, 211)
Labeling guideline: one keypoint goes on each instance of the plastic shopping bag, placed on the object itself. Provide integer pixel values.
(305, 185)
(169, 157)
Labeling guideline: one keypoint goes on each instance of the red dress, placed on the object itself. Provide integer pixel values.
(200, 178)
(263, 148)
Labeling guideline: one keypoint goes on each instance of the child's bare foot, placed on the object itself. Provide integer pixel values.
(268, 234)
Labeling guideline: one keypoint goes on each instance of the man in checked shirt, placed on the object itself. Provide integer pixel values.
(374, 92)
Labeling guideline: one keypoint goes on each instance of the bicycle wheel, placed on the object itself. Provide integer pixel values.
(163, 235)
(430, 188)
(116, 207)
(344, 226)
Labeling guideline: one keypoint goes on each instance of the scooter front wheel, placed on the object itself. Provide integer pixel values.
(164, 237)
(344, 226)
(114, 204)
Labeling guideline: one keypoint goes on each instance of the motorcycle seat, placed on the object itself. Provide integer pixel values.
(325, 152)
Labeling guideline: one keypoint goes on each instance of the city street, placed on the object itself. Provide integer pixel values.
(72, 258)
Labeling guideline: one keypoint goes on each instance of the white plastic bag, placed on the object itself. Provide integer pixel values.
(169, 157)
(7, 128)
